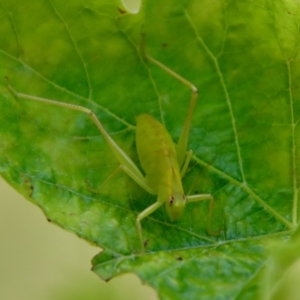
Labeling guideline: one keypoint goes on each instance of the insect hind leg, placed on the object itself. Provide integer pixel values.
(181, 147)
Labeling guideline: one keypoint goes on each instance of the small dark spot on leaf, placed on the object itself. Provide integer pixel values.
(164, 45)
(179, 258)
(28, 183)
(31, 188)
(146, 243)
(121, 11)
(290, 13)
(48, 220)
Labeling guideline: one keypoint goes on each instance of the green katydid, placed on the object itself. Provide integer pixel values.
(163, 162)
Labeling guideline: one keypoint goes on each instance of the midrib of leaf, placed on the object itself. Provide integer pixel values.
(119, 257)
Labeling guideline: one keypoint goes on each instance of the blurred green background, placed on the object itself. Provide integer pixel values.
(40, 261)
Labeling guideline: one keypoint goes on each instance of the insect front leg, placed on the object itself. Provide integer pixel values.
(110, 176)
(146, 212)
(130, 173)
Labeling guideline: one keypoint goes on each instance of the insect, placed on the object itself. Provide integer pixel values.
(163, 162)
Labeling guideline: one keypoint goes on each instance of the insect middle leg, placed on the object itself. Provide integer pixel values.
(126, 163)
(205, 197)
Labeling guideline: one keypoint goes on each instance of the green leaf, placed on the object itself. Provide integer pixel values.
(242, 56)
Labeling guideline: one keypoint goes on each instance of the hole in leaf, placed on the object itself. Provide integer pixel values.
(131, 6)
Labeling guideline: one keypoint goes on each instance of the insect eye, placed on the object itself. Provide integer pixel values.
(171, 200)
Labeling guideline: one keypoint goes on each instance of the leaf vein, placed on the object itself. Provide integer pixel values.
(71, 93)
(84, 65)
(227, 97)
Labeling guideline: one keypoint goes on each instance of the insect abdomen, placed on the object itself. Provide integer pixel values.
(155, 149)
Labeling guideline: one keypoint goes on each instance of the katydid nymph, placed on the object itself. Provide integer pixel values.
(163, 162)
